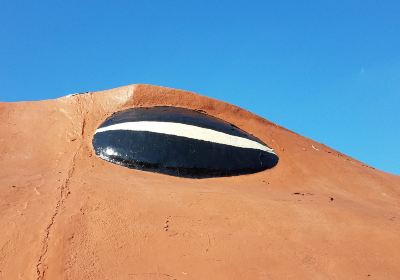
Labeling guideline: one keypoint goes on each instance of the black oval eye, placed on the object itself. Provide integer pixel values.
(180, 142)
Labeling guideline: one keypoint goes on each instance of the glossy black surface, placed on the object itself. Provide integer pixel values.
(177, 115)
(174, 155)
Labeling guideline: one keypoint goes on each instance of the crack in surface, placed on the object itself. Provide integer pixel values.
(64, 193)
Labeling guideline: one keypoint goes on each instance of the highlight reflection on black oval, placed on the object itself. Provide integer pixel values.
(180, 142)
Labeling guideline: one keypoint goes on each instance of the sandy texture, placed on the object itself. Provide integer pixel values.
(66, 214)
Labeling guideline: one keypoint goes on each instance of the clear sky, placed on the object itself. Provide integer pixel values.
(329, 70)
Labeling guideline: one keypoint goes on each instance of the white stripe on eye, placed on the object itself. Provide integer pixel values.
(188, 131)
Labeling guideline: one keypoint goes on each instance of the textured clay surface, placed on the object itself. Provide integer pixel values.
(67, 214)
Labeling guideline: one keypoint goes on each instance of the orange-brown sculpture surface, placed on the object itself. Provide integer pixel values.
(67, 214)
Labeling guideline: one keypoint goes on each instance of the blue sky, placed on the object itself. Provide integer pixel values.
(329, 70)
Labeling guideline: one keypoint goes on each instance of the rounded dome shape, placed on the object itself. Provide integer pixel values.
(180, 142)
